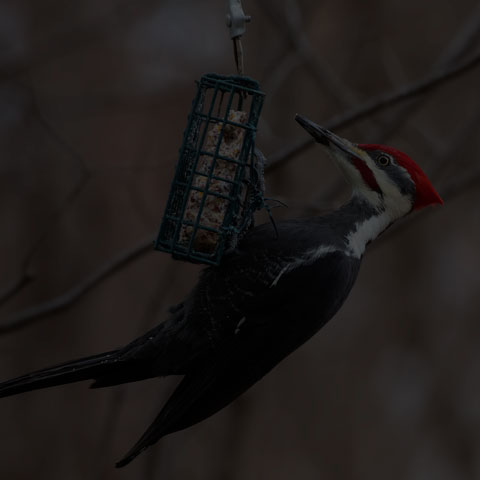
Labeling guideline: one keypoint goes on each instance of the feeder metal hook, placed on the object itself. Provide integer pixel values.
(236, 20)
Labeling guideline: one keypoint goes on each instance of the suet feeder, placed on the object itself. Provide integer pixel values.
(218, 182)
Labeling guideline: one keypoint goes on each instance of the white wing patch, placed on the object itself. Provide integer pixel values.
(277, 278)
(239, 324)
(306, 259)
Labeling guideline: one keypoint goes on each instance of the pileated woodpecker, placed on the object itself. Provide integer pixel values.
(268, 296)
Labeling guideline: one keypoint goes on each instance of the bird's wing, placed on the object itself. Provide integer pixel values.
(190, 388)
(274, 325)
(226, 298)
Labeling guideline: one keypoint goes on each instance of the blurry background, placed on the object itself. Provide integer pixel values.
(93, 102)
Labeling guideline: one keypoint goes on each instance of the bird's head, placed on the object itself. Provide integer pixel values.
(388, 179)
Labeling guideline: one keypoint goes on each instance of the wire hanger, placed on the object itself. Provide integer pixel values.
(236, 21)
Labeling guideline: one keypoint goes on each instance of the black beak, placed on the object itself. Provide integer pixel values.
(326, 137)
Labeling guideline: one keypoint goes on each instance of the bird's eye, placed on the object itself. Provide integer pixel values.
(383, 160)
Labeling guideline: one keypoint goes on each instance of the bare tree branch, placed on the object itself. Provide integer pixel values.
(26, 317)
(319, 70)
(457, 47)
(114, 21)
(463, 40)
(456, 187)
(449, 156)
(26, 275)
(290, 23)
(379, 103)
(374, 105)
(118, 395)
(16, 285)
(109, 429)
(460, 44)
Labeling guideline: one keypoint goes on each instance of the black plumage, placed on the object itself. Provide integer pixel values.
(268, 297)
(233, 328)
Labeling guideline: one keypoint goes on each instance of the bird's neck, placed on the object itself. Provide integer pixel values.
(361, 223)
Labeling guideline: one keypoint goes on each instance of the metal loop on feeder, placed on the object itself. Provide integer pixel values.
(218, 183)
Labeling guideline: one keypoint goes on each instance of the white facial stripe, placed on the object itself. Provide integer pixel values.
(365, 232)
(395, 203)
(394, 206)
(390, 206)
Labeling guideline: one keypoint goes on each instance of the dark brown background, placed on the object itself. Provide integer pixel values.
(93, 101)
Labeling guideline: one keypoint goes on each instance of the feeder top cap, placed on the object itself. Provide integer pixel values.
(237, 81)
(236, 18)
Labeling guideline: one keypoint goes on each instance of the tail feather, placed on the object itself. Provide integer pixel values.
(74, 371)
(177, 413)
(134, 372)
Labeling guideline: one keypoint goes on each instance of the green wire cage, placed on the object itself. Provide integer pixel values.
(218, 182)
